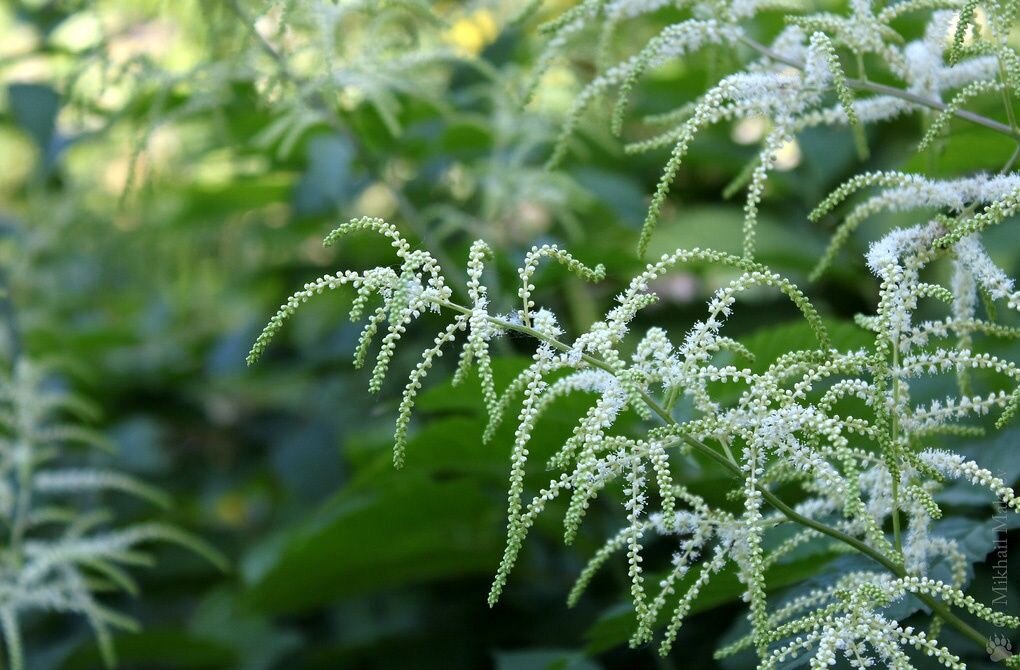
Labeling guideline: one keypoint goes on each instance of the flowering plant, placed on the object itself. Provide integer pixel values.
(844, 428)
(62, 554)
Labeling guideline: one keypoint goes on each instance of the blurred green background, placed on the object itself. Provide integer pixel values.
(167, 173)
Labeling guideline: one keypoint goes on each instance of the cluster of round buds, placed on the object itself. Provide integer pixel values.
(785, 424)
(955, 466)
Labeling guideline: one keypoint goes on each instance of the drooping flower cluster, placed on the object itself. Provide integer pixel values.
(904, 192)
(841, 425)
(59, 555)
(853, 430)
(798, 80)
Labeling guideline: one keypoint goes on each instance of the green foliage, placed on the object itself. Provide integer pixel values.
(168, 171)
(60, 556)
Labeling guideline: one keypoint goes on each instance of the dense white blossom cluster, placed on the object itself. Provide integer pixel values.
(798, 80)
(852, 430)
(60, 556)
(842, 425)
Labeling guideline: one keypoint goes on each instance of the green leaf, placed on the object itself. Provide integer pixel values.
(440, 448)
(327, 183)
(770, 342)
(154, 648)
(418, 530)
(466, 137)
(719, 227)
(445, 397)
(35, 107)
(545, 659)
(257, 644)
(966, 150)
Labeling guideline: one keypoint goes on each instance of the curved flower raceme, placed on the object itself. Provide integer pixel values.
(852, 434)
(799, 80)
(842, 426)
